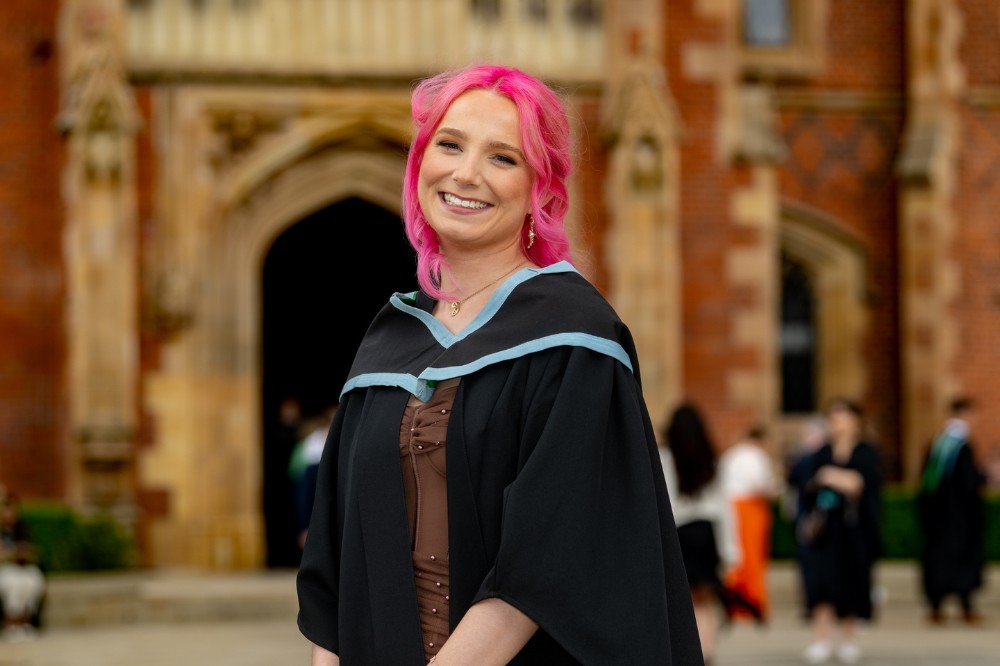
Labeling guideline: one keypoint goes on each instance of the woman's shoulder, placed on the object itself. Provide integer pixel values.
(557, 306)
(562, 286)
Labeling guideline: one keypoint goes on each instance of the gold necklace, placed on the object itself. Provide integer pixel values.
(456, 306)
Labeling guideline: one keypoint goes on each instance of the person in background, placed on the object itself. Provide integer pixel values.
(952, 515)
(704, 517)
(278, 491)
(750, 485)
(838, 533)
(813, 435)
(303, 469)
(22, 583)
(490, 491)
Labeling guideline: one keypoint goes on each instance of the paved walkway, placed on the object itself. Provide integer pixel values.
(179, 619)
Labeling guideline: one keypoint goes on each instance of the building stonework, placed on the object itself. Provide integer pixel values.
(157, 161)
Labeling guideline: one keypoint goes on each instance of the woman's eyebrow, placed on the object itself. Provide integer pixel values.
(500, 145)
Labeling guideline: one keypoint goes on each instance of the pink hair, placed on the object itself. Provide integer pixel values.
(545, 141)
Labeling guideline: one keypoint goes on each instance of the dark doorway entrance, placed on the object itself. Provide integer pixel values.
(323, 281)
(798, 339)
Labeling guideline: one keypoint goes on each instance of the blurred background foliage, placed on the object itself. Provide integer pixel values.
(66, 540)
(901, 537)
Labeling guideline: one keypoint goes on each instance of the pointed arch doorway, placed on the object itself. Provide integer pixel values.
(322, 281)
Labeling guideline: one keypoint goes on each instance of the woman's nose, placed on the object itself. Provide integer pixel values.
(466, 171)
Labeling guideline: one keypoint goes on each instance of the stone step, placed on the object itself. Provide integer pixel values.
(172, 596)
(164, 596)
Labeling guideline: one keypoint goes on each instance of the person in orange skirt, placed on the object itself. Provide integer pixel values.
(750, 486)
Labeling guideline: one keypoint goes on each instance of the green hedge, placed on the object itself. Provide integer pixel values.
(68, 541)
(901, 536)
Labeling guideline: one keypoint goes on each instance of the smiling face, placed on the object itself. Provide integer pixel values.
(475, 184)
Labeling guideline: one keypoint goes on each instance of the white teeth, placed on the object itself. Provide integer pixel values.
(452, 200)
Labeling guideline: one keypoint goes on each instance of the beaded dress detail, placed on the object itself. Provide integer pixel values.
(425, 485)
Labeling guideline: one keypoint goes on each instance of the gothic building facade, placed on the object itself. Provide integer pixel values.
(786, 200)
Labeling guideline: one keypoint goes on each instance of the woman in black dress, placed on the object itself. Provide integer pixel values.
(838, 533)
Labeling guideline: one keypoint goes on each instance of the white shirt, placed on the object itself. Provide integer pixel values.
(710, 504)
(746, 471)
(313, 445)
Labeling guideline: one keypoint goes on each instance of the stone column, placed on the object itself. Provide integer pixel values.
(644, 253)
(99, 120)
(928, 275)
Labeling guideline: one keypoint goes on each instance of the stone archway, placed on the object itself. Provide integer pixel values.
(205, 399)
(837, 267)
(323, 280)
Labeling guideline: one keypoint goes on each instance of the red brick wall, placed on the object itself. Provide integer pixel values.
(977, 253)
(866, 45)
(977, 243)
(150, 502)
(980, 36)
(841, 163)
(591, 162)
(32, 280)
(707, 232)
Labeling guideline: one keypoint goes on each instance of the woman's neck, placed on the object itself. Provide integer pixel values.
(843, 446)
(464, 274)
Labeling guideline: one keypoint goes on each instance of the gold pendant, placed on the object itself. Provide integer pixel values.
(455, 307)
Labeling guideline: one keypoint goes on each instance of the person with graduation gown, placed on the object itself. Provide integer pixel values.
(490, 491)
(952, 517)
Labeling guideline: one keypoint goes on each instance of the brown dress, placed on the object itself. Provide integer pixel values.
(425, 484)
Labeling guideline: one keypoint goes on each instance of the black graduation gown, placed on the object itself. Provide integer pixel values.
(557, 502)
(837, 567)
(952, 518)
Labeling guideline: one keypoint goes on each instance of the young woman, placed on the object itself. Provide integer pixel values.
(839, 533)
(750, 485)
(704, 517)
(490, 491)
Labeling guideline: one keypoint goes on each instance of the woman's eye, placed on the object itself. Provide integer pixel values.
(448, 145)
(506, 160)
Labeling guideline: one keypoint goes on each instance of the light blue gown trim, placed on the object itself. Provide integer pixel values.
(400, 379)
(594, 343)
(422, 386)
(446, 338)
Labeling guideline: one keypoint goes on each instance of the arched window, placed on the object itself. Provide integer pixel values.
(797, 339)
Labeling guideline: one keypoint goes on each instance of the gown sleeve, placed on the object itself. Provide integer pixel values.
(318, 578)
(588, 546)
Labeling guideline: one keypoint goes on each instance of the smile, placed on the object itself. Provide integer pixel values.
(452, 200)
